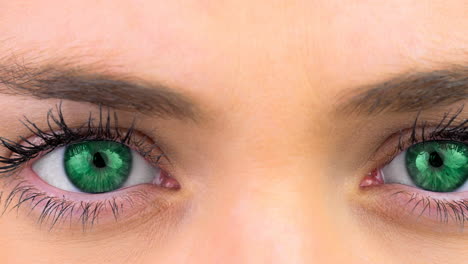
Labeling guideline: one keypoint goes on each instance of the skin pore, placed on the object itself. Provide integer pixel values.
(257, 106)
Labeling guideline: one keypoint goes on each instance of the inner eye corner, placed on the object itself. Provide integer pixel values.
(374, 177)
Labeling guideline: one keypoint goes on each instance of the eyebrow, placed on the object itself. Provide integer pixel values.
(88, 85)
(410, 92)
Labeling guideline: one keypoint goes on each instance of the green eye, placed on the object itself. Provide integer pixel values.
(439, 166)
(97, 166)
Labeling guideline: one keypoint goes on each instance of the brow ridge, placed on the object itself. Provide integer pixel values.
(104, 89)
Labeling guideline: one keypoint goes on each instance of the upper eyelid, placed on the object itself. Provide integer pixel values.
(399, 141)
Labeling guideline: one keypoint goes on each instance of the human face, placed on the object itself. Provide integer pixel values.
(272, 121)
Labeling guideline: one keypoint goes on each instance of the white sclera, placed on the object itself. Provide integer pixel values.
(50, 168)
(396, 172)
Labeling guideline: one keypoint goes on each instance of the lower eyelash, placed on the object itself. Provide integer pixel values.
(443, 210)
(56, 211)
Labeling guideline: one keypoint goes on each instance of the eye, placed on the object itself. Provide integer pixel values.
(95, 167)
(101, 173)
(437, 166)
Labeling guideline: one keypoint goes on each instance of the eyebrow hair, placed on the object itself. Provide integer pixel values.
(88, 85)
(410, 92)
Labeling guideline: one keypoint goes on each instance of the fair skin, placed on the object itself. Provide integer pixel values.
(270, 165)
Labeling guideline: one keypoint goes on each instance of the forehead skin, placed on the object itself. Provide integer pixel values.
(271, 66)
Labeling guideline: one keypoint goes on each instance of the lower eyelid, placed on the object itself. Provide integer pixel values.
(407, 206)
(52, 207)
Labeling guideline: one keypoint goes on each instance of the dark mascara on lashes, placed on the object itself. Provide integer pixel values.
(64, 135)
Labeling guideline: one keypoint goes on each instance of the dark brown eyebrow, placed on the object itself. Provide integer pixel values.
(410, 92)
(88, 85)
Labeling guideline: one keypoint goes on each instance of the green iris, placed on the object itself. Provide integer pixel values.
(97, 166)
(439, 166)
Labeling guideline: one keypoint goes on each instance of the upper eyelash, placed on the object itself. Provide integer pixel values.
(106, 129)
(443, 129)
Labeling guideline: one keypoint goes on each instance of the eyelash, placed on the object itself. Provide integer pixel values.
(56, 210)
(456, 209)
(443, 130)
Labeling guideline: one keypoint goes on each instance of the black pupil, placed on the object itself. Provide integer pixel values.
(435, 159)
(98, 160)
